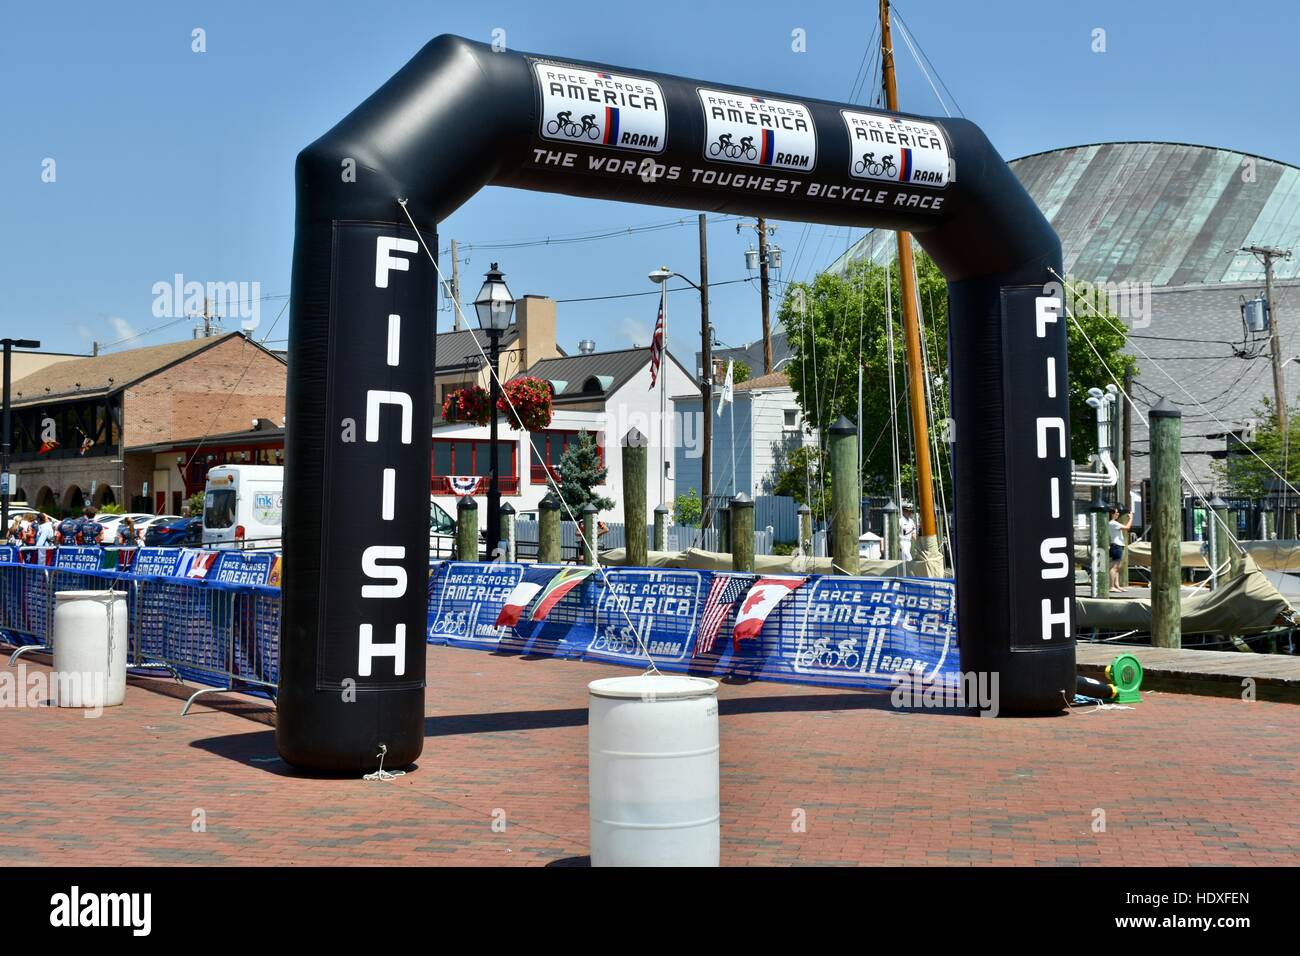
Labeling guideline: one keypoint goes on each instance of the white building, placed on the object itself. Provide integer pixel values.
(768, 425)
(604, 393)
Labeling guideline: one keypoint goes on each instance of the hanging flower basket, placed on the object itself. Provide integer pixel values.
(531, 401)
(468, 404)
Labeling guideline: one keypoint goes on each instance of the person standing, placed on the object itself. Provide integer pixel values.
(44, 531)
(66, 533)
(906, 531)
(1118, 542)
(89, 531)
(127, 535)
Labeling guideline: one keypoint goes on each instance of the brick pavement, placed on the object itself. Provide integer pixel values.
(1183, 780)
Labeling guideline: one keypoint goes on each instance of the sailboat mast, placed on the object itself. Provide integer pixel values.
(911, 323)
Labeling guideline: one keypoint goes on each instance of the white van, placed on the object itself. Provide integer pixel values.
(243, 506)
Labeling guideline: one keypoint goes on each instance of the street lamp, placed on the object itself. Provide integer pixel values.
(495, 307)
(6, 479)
(660, 277)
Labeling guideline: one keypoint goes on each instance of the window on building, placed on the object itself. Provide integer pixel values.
(456, 456)
(550, 446)
(791, 418)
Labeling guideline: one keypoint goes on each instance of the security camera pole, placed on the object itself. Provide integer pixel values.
(5, 478)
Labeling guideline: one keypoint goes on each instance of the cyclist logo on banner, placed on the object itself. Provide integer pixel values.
(606, 109)
(877, 628)
(898, 150)
(758, 131)
(469, 599)
(660, 606)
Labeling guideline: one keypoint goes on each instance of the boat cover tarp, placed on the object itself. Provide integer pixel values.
(1248, 602)
(700, 560)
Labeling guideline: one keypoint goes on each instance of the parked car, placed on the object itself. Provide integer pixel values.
(110, 523)
(143, 526)
(183, 532)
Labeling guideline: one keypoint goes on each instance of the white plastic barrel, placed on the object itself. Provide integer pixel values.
(653, 771)
(90, 648)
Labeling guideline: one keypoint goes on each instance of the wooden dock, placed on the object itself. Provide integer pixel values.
(1274, 677)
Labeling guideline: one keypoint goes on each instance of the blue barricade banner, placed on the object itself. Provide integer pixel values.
(243, 567)
(80, 557)
(831, 630)
(161, 562)
(8, 552)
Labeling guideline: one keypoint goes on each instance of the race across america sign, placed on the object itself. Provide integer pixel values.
(758, 131)
(601, 109)
(896, 149)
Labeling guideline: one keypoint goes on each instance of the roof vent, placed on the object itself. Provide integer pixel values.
(586, 346)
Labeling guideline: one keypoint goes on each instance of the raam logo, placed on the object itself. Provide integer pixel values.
(601, 109)
(758, 131)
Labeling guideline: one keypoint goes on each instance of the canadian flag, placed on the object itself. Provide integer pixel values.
(765, 595)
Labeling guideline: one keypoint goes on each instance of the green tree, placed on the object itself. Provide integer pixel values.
(805, 470)
(688, 509)
(581, 471)
(194, 505)
(740, 372)
(1242, 473)
(837, 322)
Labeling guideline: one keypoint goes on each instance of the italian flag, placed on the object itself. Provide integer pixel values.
(761, 600)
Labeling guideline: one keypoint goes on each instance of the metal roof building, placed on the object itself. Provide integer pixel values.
(1172, 220)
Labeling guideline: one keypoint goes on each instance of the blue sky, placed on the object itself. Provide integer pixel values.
(169, 161)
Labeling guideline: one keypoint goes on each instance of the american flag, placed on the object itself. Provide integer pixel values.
(657, 347)
(725, 591)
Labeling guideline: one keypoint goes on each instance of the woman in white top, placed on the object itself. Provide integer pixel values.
(1118, 541)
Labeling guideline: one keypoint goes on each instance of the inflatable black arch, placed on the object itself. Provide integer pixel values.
(461, 116)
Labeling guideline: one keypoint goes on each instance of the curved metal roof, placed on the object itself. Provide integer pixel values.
(1171, 214)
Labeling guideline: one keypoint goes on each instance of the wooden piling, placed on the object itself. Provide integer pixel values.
(589, 543)
(846, 521)
(548, 530)
(1166, 424)
(742, 533)
(467, 529)
(635, 463)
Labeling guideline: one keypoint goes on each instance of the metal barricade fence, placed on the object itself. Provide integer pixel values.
(223, 635)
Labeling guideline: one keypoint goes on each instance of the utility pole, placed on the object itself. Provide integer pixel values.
(1266, 255)
(6, 479)
(455, 284)
(764, 255)
(762, 284)
(911, 323)
(706, 383)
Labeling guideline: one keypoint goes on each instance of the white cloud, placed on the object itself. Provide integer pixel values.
(636, 333)
(122, 329)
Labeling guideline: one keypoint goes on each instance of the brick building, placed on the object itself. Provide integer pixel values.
(85, 428)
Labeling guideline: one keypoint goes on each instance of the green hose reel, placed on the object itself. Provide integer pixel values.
(1125, 674)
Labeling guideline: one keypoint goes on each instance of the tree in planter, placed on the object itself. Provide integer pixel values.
(580, 473)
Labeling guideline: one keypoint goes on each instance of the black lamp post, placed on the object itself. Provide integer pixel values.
(495, 307)
(9, 346)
